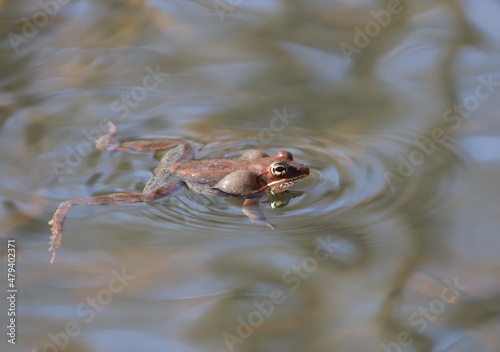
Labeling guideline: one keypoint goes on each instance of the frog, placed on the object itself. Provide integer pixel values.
(251, 176)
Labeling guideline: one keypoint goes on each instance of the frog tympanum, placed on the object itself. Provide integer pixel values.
(251, 176)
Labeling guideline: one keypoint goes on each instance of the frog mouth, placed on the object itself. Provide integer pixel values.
(284, 184)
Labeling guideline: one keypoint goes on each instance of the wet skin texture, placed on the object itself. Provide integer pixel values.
(251, 176)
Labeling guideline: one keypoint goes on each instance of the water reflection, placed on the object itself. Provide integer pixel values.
(391, 244)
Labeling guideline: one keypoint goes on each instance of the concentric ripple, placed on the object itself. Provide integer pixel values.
(344, 173)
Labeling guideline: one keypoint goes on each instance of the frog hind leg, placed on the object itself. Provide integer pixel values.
(109, 199)
(175, 151)
(252, 209)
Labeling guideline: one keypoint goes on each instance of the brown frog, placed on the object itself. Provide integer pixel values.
(251, 176)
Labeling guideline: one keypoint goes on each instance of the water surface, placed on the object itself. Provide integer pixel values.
(391, 244)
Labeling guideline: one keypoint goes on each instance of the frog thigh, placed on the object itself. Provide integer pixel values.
(182, 152)
(240, 183)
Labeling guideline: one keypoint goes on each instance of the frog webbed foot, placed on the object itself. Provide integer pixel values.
(106, 142)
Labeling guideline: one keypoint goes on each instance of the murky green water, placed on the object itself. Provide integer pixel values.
(391, 244)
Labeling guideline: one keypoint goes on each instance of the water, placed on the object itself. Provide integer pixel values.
(391, 243)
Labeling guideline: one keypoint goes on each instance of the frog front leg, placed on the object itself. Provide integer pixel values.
(251, 208)
(57, 221)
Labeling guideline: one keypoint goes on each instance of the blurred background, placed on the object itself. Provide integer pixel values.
(390, 245)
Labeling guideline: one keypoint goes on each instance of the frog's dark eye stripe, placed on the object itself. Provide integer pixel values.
(279, 168)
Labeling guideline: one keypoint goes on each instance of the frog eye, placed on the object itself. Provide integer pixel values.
(279, 168)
